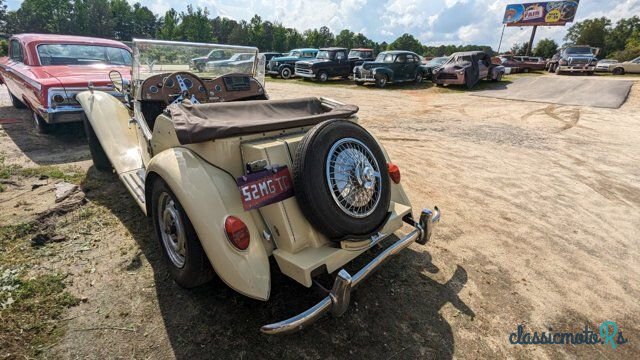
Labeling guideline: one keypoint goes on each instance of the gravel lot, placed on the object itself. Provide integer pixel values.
(540, 227)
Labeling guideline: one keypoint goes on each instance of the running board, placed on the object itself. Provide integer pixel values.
(133, 180)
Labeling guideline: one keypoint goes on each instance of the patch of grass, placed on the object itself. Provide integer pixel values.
(30, 316)
(18, 231)
(69, 173)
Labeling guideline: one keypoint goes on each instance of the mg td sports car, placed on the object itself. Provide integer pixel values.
(231, 179)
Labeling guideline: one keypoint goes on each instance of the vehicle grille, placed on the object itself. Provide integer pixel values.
(447, 76)
(271, 65)
(303, 68)
(578, 61)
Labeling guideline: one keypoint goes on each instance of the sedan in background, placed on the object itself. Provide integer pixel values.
(434, 64)
(44, 73)
(605, 64)
(627, 67)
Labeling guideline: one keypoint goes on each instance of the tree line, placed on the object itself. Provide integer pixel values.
(119, 20)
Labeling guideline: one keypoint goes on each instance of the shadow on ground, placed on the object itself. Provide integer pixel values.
(394, 314)
(65, 143)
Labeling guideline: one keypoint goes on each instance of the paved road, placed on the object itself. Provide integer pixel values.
(565, 90)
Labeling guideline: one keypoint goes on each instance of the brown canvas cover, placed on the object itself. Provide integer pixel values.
(203, 122)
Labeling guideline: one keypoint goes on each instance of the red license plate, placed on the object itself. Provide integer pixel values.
(265, 187)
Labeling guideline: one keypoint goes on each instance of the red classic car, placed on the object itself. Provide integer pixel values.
(45, 72)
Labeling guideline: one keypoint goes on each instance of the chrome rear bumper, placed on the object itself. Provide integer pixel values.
(337, 301)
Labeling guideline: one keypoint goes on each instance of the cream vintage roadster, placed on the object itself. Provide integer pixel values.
(231, 178)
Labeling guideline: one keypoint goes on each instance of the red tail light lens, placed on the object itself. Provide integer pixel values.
(237, 232)
(394, 172)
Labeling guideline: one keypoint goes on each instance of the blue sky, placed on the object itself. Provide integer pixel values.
(434, 22)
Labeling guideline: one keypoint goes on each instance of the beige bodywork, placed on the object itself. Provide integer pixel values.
(202, 177)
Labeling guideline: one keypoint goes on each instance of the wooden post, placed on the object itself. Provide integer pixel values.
(533, 35)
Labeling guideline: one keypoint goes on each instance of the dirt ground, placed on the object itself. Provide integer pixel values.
(540, 227)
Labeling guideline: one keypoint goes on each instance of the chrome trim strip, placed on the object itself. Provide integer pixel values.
(338, 299)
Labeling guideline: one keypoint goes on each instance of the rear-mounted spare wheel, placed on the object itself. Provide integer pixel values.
(341, 180)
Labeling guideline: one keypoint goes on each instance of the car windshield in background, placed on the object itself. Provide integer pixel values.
(437, 61)
(294, 53)
(157, 56)
(357, 54)
(78, 54)
(580, 50)
(323, 55)
(385, 58)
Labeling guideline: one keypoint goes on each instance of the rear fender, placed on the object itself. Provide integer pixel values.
(109, 118)
(208, 194)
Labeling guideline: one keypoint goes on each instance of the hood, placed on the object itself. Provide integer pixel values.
(373, 64)
(80, 76)
(284, 58)
(314, 61)
(454, 66)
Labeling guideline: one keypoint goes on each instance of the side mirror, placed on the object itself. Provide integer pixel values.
(117, 80)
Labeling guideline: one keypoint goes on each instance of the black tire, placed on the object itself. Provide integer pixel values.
(557, 70)
(16, 102)
(360, 83)
(322, 76)
(286, 73)
(311, 181)
(618, 71)
(419, 77)
(498, 77)
(196, 269)
(526, 70)
(552, 68)
(381, 80)
(200, 67)
(41, 126)
(99, 157)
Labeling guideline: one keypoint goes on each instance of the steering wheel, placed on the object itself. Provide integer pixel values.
(183, 85)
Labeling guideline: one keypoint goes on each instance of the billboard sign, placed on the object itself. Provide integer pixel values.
(548, 13)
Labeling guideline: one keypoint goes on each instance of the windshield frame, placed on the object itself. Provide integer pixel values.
(88, 63)
(136, 66)
(384, 55)
(331, 54)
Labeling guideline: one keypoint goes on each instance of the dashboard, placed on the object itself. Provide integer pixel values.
(225, 88)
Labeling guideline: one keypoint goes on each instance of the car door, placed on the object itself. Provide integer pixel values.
(484, 69)
(634, 66)
(342, 63)
(14, 78)
(411, 66)
(399, 68)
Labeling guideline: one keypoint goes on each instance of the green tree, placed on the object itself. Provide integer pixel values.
(519, 49)
(591, 32)
(545, 48)
(406, 42)
(45, 16)
(144, 22)
(168, 27)
(122, 17)
(195, 25)
(345, 39)
(618, 37)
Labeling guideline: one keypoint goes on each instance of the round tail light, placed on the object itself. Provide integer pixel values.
(394, 172)
(237, 232)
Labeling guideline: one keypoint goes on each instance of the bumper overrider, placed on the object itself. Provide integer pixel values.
(337, 300)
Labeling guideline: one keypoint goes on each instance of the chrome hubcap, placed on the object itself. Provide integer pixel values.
(353, 176)
(171, 230)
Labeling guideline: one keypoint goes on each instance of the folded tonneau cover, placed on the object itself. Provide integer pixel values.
(203, 122)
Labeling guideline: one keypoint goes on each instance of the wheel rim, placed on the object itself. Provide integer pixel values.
(286, 73)
(323, 77)
(418, 78)
(171, 229)
(383, 81)
(353, 177)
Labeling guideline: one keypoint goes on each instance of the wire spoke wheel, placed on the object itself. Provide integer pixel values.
(353, 177)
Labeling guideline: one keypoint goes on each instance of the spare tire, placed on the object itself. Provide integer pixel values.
(341, 180)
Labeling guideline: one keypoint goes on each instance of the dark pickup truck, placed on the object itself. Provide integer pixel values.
(330, 62)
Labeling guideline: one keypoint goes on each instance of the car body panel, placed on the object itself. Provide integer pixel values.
(631, 66)
(276, 64)
(396, 71)
(197, 185)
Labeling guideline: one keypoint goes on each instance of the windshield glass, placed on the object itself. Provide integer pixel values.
(358, 54)
(294, 53)
(323, 54)
(152, 57)
(438, 61)
(385, 58)
(78, 54)
(579, 50)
